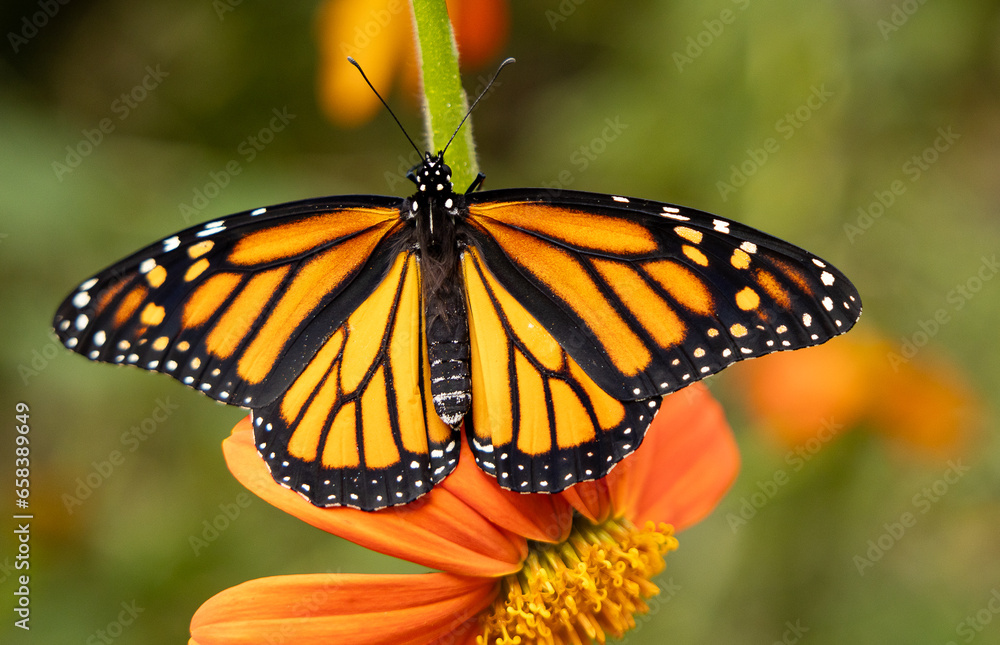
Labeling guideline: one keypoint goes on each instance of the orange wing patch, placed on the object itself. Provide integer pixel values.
(293, 239)
(652, 312)
(576, 228)
(321, 275)
(568, 279)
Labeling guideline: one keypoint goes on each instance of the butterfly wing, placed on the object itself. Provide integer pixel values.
(358, 426)
(585, 309)
(650, 297)
(235, 307)
(538, 422)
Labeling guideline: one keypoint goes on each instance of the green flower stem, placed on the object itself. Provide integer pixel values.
(445, 101)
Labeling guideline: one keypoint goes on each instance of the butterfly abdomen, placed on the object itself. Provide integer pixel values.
(448, 352)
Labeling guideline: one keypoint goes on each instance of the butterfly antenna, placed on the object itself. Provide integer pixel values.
(355, 63)
(476, 102)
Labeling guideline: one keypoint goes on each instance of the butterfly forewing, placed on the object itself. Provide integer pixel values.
(234, 307)
(649, 297)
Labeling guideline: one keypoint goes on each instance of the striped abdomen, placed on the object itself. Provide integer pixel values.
(448, 352)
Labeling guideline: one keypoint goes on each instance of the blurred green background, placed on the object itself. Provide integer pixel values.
(850, 92)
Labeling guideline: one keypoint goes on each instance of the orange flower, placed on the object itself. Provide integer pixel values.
(862, 379)
(379, 34)
(566, 568)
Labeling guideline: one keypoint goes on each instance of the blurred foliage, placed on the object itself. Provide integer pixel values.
(850, 92)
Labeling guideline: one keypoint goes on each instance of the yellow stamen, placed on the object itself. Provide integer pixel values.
(582, 590)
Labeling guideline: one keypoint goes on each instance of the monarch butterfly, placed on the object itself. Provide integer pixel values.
(363, 330)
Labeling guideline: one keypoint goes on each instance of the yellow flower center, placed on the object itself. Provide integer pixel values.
(581, 590)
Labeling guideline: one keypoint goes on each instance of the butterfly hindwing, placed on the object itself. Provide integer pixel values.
(649, 297)
(234, 307)
(538, 422)
(357, 427)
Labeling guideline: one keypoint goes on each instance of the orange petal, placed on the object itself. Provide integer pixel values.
(480, 29)
(926, 402)
(438, 530)
(796, 394)
(343, 608)
(540, 517)
(685, 464)
(592, 499)
(374, 32)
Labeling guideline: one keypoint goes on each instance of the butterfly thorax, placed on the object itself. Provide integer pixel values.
(434, 210)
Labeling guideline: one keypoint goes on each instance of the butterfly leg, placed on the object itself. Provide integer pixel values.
(477, 183)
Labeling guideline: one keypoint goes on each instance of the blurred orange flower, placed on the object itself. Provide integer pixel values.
(379, 35)
(860, 379)
(566, 568)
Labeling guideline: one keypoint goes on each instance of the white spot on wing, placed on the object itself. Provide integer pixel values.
(211, 228)
(81, 299)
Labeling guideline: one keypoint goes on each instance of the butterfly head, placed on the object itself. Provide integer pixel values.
(432, 176)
